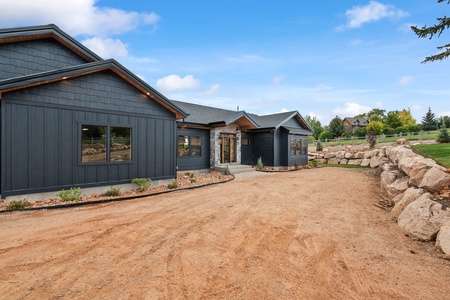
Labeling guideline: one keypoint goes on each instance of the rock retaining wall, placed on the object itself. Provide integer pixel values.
(416, 189)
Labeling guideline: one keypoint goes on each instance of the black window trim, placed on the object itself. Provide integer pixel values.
(108, 143)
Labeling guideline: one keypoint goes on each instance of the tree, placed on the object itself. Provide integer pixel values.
(377, 112)
(392, 120)
(336, 127)
(443, 136)
(429, 121)
(429, 32)
(316, 125)
(444, 121)
(406, 118)
(374, 128)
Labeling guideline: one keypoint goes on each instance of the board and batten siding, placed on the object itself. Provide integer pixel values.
(263, 147)
(41, 135)
(29, 57)
(195, 162)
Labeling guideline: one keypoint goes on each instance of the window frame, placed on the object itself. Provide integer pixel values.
(297, 146)
(108, 160)
(189, 146)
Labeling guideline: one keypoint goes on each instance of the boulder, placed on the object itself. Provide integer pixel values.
(355, 162)
(423, 218)
(368, 154)
(365, 162)
(377, 161)
(415, 167)
(348, 155)
(340, 154)
(343, 161)
(397, 187)
(334, 161)
(443, 238)
(329, 155)
(435, 179)
(404, 199)
(359, 155)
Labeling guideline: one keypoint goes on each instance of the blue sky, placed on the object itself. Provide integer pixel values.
(322, 58)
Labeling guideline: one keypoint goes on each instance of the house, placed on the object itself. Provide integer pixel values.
(68, 119)
(209, 137)
(351, 124)
(71, 119)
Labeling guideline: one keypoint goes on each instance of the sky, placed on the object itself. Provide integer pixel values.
(321, 58)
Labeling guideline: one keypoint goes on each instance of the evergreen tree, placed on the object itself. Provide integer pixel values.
(429, 32)
(443, 136)
(429, 121)
(336, 127)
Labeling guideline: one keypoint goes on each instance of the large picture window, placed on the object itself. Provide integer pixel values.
(189, 145)
(105, 143)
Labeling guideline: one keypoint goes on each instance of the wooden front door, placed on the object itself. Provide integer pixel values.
(228, 148)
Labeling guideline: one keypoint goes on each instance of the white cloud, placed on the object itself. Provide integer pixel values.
(277, 80)
(374, 11)
(80, 17)
(323, 86)
(406, 80)
(351, 109)
(175, 82)
(379, 104)
(445, 113)
(107, 48)
(416, 107)
(211, 91)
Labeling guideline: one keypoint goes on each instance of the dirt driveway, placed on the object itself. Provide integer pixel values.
(310, 234)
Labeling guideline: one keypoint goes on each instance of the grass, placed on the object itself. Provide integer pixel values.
(343, 166)
(432, 135)
(438, 152)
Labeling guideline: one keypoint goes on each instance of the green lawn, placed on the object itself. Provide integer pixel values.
(438, 152)
(432, 135)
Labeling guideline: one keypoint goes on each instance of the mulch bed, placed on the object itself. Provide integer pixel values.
(184, 180)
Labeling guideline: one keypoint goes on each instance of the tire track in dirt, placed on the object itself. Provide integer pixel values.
(292, 235)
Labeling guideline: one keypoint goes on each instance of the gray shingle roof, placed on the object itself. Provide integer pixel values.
(206, 115)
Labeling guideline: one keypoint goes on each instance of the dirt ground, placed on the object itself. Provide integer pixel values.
(309, 234)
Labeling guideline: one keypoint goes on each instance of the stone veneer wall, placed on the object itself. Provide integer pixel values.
(215, 143)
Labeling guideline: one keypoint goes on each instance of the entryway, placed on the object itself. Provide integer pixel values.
(228, 148)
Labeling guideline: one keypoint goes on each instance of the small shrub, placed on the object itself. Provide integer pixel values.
(142, 183)
(443, 136)
(112, 192)
(17, 205)
(172, 185)
(73, 194)
(226, 171)
(313, 163)
(319, 146)
(193, 180)
(259, 164)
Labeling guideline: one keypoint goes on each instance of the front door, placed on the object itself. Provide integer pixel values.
(228, 148)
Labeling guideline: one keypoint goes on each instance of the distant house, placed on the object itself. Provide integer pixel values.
(72, 119)
(351, 124)
(211, 137)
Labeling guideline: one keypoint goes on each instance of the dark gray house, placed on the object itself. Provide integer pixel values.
(69, 118)
(209, 137)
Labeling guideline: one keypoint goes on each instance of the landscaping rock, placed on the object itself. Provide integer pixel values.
(365, 162)
(376, 161)
(343, 161)
(435, 180)
(443, 238)
(423, 218)
(404, 199)
(359, 155)
(355, 162)
(348, 155)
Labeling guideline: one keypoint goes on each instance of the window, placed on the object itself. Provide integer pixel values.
(297, 146)
(104, 143)
(189, 145)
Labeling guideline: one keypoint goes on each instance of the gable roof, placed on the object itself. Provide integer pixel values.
(211, 116)
(19, 34)
(363, 121)
(26, 81)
